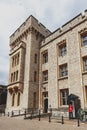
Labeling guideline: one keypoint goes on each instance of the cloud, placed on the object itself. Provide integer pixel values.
(52, 13)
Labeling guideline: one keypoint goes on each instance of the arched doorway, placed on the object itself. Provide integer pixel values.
(45, 105)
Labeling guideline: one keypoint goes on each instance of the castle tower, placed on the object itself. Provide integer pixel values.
(23, 85)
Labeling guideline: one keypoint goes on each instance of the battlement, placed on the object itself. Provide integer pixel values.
(66, 27)
(30, 22)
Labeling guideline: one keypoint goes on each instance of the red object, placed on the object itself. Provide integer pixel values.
(71, 108)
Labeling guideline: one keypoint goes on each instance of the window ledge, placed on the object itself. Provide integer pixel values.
(85, 72)
(44, 82)
(64, 77)
(64, 106)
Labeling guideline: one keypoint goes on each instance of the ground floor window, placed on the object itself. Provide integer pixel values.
(13, 98)
(63, 96)
(18, 99)
(86, 93)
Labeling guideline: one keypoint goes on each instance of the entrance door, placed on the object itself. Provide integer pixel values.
(45, 105)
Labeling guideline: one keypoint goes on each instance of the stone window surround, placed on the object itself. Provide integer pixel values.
(45, 76)
(63, 96)
(44, 56)
(63, 70)
(62, 48)
(84, 63)
(15, 59)
(14, 76)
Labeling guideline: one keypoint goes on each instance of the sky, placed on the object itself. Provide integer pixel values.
(52, 13)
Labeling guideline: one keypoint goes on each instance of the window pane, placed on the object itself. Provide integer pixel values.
(64, 95)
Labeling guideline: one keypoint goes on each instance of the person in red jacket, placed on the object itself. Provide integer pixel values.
(71, 108)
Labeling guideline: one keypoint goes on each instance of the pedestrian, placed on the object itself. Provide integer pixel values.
(71, 108)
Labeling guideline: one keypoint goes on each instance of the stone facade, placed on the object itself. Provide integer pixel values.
(61, 67)
(23, 87)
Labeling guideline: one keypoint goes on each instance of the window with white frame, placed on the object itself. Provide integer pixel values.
(63, 96)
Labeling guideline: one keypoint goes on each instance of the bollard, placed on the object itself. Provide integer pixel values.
(4, 113)
(19, 112)
(31, 114)
(12, 113)
(49, 117)
(8, 113)
(62, 120)
(39, 115)
(25, 114)
(78, 121)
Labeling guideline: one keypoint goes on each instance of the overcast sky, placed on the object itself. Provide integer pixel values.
(52, 13)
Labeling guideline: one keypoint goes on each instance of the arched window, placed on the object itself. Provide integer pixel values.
(13, 99)
(13, 62)
(35, 58)
(18, 99)
(16, 75)
(18, 59)
(12, 77)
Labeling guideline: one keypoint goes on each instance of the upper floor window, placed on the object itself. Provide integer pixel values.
(35, 76)
(84, 40)
(35, 58)
(14, 76)
(45, 75)
(62, 49)
(45, 57)
(15, 59)
(63, 96)
(63, 70)
(85, 63)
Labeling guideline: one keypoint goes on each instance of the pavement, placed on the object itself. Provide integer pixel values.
(18, 123)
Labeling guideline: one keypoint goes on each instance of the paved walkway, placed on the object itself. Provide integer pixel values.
(18, 123)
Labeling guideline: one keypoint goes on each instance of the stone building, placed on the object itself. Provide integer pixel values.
(46, 67)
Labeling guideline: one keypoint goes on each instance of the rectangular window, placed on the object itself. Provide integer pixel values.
(45, 57)
(15, 59)
(35, 58)
(18, 100)
(45, 75)
(86, 93)
(84, 40)
(35, 76)
(85, 64)
(63, 70)
(13, 99)
(11, 77)
(63, 96)
(16, 75)
(62, 49)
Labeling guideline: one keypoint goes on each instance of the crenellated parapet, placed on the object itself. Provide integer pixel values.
(26, 27)
(66, 27)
